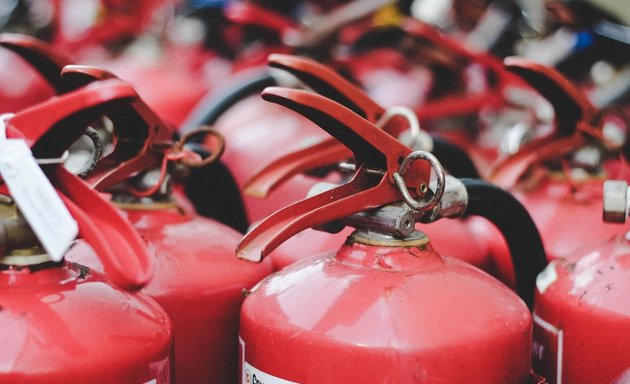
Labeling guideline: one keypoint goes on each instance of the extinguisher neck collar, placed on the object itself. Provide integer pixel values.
(25, 257)
(125, 200)
(19, 245)
(367, 237)
(374, 251)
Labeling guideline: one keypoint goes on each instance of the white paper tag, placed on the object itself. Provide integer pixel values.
(35, 197)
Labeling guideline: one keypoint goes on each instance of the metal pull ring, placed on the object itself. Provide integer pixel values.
(213, 143)
(440, 175)
(417, 139)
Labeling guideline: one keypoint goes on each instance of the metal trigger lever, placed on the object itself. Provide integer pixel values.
(378, 158)
(575, 122)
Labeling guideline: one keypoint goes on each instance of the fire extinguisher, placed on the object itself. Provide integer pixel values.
(582, 318)
(398, 122)
(197, 280)
(386, 307)
(557, 175)
(61, 321)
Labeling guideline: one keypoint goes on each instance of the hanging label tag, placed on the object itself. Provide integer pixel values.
(35, 197)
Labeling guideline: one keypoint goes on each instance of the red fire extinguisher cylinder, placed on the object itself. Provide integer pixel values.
(386, 307)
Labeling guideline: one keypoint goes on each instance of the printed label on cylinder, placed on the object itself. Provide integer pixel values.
(547, 349)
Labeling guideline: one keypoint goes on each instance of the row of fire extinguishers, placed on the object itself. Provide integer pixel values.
(253, 193)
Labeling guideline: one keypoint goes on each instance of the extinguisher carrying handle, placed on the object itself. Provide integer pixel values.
(46, 60)
(378, 160)
(137, 126)
(517, 227)
(142, 137)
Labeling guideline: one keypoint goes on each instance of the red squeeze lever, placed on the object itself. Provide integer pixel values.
(142, 136)
(381, 163)
(49, 129)
(575, 119)
(135, 149)
(326, 82)
(143, 139)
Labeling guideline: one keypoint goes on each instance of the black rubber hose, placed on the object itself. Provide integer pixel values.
(212, 106)
(222, 203)
(454, 159)
(518, 229)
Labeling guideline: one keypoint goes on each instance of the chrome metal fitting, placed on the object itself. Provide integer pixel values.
(616, 200)
(452, 204)
(398, 220)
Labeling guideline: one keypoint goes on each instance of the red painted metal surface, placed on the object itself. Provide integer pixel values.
(582, 315)
(385, 314)
(566, 218)
(200, 283)
(194, 66)
(67, 324)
